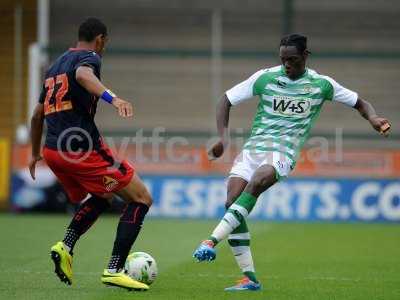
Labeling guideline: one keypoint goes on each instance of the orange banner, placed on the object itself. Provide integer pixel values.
(193, 160)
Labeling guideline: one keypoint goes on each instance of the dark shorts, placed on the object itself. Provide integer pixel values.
(95, 172)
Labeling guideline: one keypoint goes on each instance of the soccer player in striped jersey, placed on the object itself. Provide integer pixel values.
(291, 97)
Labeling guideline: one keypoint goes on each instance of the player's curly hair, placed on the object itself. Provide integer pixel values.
(91, 28)
(297, 40)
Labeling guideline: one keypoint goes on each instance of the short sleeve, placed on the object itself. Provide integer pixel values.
(92, 60)
(42, 95)
(341, 94)
(244, 90)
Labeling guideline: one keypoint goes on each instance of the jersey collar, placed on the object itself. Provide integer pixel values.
(302, 76)
(79, 49)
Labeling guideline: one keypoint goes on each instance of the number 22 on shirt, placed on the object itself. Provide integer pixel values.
(59, 104)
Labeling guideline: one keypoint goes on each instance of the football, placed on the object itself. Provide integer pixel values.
(142, 267)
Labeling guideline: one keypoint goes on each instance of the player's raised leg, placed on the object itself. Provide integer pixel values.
(263, 178)
(138, 202)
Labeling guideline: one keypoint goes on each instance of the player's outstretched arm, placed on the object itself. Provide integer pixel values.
(36, 136)
(86, 78)
(367, 111)
(223, 109)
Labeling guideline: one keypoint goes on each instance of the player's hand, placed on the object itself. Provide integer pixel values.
(381, 125)
(32, 165)
(216, 150)
(125, 108)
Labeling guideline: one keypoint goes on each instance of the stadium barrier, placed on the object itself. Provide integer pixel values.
(357, 185)
(295, 199)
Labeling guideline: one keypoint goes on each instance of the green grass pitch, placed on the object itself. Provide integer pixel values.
(294, 261)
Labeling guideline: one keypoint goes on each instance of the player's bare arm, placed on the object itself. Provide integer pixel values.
(87, 79)
(223, 109)
(36, 137)
(368, 112)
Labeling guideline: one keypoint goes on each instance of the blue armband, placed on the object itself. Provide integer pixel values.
(108, 96)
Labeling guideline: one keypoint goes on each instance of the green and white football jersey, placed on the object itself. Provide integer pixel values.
(287, 108)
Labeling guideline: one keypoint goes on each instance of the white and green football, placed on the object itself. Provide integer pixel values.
(142, 267)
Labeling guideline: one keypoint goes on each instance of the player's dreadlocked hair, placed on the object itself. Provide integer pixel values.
(297, 40)
(91, 28)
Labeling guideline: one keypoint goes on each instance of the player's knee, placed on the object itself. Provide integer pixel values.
(258, 184)
(142, 197)
(262, 179)
(257, 181)
(147, 199)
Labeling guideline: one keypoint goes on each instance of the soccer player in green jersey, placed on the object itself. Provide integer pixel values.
(291, 97)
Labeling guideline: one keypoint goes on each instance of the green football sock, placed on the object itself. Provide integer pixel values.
(232, 219)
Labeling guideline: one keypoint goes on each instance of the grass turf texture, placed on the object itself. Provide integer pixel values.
(293, 261)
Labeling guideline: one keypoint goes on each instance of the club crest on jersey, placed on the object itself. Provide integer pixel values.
(109, 183)
(308, 89)
(287, 105)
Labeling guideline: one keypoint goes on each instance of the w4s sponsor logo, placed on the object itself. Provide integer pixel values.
(291, 106)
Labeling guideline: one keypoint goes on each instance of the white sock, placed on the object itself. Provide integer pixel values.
(113, 271)
(225, 227)
(243, 258)
(68, 248)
